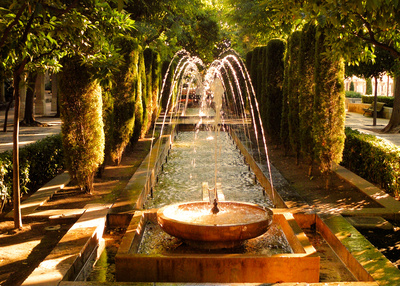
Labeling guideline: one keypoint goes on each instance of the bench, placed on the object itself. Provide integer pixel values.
(370, 109)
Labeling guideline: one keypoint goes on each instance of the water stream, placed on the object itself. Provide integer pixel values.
(191, 162)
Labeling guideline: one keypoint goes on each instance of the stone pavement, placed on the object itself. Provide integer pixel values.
(27, 135)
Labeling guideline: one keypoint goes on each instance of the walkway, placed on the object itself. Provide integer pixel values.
(364, 124)
(27, 135)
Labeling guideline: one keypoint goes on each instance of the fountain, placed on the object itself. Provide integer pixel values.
(199, 226)
(213, 226)
(219, 224)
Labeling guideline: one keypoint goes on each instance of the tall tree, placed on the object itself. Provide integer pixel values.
(355, 29)
(306, 68)
(293, 82)
(274, 71)
(33, 32)
(82, 128)
(329, 111)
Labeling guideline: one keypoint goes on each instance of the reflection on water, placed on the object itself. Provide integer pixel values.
(192, 161)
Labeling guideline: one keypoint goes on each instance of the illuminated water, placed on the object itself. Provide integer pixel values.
(191, 162)
(155, 242)
(227, 215)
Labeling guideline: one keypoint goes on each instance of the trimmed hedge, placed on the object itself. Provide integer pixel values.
(353, 94)
(272, 102)
(39, 162)
(374, 159)
(294, 78)
(329, 106)
(386, 99)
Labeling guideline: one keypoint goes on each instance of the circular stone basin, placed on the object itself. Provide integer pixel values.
(194, 223)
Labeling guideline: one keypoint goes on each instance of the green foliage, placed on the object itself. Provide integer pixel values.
(249, 56)
(306, 68)
(40, 162)
(293, 91)
(168, 26)
(255, 72)
(284, 133)
(351, 86)
(82, 129)
(168, 73)
(38, 33)
(353, 94)
(252, 23)
(140, 86)
(273, 78)
(148, 97)
(388, 100)
(156, 83)
(124, 92)
(374, 159)
(108, 120)
(329, 109)
(44, 160)
(383, 62)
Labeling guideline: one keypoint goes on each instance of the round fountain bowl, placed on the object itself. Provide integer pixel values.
(194, 223)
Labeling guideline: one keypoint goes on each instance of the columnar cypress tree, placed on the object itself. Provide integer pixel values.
(254, 72)
(166, 84)
(329, 108)
(155, 87)
(249, 56)
(306, 92)
(274, 70)
(108, 120)
(82, 129)
(293, 93)
(284, 132)
(124, 93)
(140, 86)
(148, 94)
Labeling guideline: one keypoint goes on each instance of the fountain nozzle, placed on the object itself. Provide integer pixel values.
(215, 209)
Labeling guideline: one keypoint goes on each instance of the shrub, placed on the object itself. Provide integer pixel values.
(353, 94)
(39, 162)
(374, 159)
(388, 100)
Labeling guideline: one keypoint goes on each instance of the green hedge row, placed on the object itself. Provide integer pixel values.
(386, 99)
(39, 162)
(374, 159)
(353, 94)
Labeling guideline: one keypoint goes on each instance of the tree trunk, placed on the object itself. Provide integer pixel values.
(29, 116)
(6, 115)
(16, 188)
(394, 122)
(375, 114)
